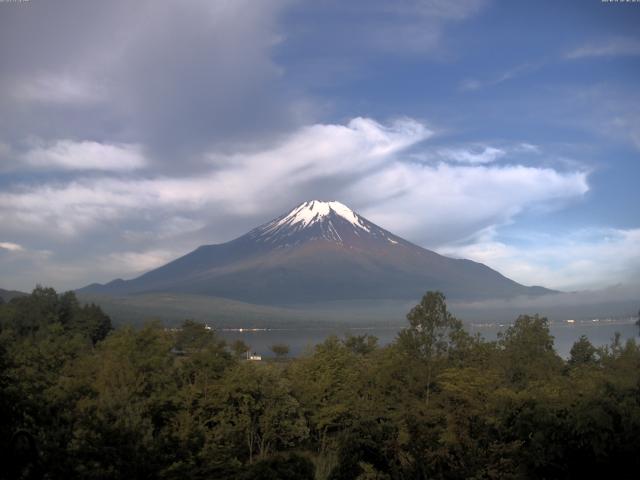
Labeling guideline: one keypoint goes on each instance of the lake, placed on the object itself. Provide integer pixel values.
(302, 340)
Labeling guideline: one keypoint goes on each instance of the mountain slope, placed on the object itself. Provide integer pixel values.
(319, 251)
(7, 295)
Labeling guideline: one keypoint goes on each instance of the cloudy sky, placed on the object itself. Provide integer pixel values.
(504, 132)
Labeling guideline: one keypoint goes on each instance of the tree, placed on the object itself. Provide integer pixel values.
(361, 344)
(527, 346)
(92, 322)
(582, 352)
(44, 307)
(433, 333)
(258, 410)
(68, 307)
(432, 329)
(206, 358)
(366, 451)
(128, 406)
(239, 348)
(194, 336)
(327, 385)
(291, 467)
(281, 350)
(34, 311)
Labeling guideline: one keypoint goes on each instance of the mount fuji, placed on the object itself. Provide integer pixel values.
(319, 252)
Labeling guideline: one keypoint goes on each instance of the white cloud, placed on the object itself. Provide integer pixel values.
(86, 155)
(246, 184)
(610, 48)
(613, 113)
(33, 266)
(166, 230)
(402, 27)
(584, 259)
(472, 84)
(483, 154)
(58, 89)
(428, 203)
(528, 148)
(443, 203)
(127, 264)
(361, 161)
(477, 153)
(442, 8)
(12, 247)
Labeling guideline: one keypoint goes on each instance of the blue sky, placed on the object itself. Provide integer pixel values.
(505, 132)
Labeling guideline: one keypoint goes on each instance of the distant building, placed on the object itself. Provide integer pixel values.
(253, 357)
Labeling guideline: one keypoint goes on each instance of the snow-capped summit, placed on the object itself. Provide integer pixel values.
(315, 211)
(317, 220)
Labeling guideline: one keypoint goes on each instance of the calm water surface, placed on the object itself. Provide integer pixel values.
(302, 340)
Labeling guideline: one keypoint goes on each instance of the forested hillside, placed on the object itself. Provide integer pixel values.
(81, 400)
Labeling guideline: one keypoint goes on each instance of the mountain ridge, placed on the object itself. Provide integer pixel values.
(319, 251)
(7, 295)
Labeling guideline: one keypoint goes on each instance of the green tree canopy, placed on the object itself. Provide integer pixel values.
(361, 344)
(239, 348)
(433, 331)
(582, 352)
(280, 350)
(527, 350)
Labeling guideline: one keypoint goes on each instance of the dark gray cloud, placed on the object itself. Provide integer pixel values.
(175, 76)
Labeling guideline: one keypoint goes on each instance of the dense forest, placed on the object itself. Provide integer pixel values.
(80, 399)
